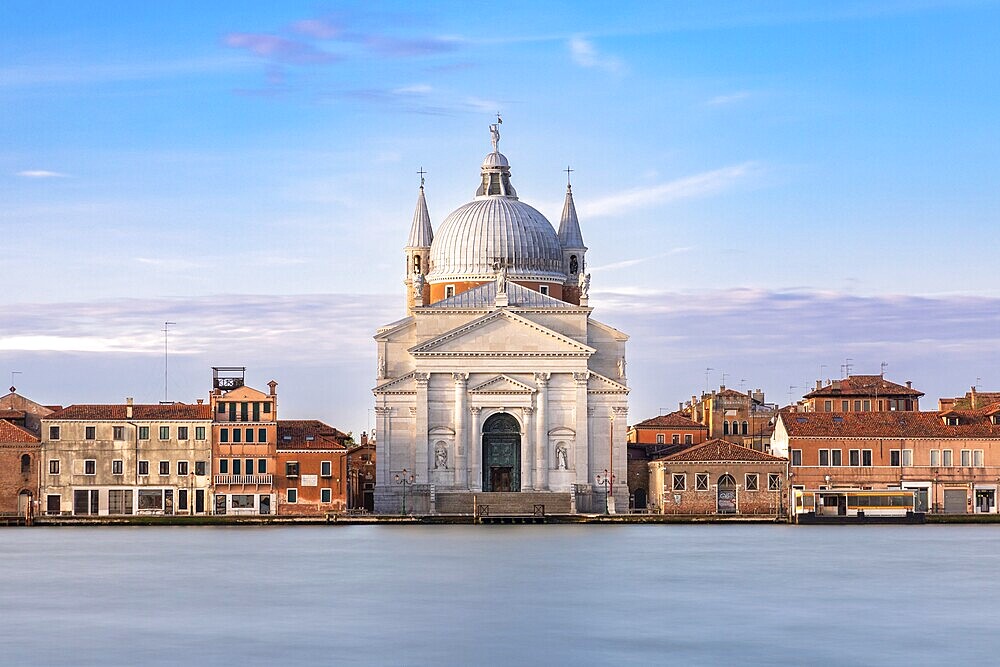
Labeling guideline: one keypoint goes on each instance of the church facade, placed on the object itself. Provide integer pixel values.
(498, 384)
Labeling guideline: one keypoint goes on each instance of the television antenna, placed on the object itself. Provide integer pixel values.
(166, 326)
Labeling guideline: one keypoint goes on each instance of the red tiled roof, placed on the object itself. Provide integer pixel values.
(731, 393)
(864, 385)
(718, 450)
(173, 411)
(12, 414)
(972, 424)
(672, 420)
(309, 434)
(13, 433)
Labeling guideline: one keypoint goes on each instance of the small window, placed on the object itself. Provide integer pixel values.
(866, 457)
(796, 457)
(224, 435)
(164, 433)
(854, 458)
(946, 459)
(907, 457)
(200, 468)
(543, 289)
(292, 469)
(746, 428)
(828, 406)
(894, 458)
(25, 464)
(182, 432)
(293, 495)
(117, 467)
(223, 466)
(701, 481)
(144, 433)
(118, 433)
(90, 467)
(199, 432)
(238, 467)
(182, 499)
(325, 495)
(977, 458)
(675, 439)
(966, 458)
(574, 265)
(935, 458)
(824, 457)
(53, 466)
(267, 407)
(661, 438)
(164, 467)
(835, 457)
(262, 433)
(449, 291)
(90, 432)
(753, 481)
(53, 433)
(866, 405)
(326, 469)
(237, 435)
(261, 466)
(773, 481)
(845, 406)
(183, 468)
(249, 435)
(857, 406)
(688, 439)
(679, 481)
(725, 427)
(143, 467)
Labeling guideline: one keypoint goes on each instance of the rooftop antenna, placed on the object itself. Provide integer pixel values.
(978, 382)
(724, 376)
(790, 388)
(422, 173)
(13, 373)
(568, 172)
(822, 371)
(707, 371)
(847, 367)
(742, 382)
(884, 365)
(165, 358)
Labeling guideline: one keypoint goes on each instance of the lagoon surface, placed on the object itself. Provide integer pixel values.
(467, 595)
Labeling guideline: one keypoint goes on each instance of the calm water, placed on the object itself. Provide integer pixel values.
(466, 595)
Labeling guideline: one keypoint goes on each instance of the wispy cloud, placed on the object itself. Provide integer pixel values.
(317, 28)
(640, 260)
(698, 185)
(279, 49)
(396, 47)
(585, 54)
(41, 173)
(414, 89)
(726, 100)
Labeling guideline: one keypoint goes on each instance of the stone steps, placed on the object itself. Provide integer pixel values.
(503, 504)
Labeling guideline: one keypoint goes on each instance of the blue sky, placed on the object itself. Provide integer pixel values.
(248, 170)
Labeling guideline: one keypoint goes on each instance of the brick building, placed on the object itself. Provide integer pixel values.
(741, 418)
(24, 412)
(311, 471)
(126, 459)
(361, 474)
(719, 477)
(19, 457)
(862, 393)
(951, 459)
(654, 438)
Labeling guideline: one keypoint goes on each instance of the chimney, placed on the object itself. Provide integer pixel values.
(909, 384)
(128, 407)
(201, 401)
(680, 405)
(819, 385)
(972, 398)
(364, 438)
(273, 386)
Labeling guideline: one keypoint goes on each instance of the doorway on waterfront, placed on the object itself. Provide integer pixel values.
(726, 495)
(501, 453)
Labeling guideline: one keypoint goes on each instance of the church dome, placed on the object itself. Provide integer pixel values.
(471, 242)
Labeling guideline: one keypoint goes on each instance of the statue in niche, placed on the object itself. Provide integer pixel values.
(440, 457)
(574, 264)
(381, 367)
(562, 457)
(584, 284)
(418, 289)
(621, 367)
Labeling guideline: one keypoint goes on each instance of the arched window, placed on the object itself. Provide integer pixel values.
(746, 428)
(416, 263)
(725, 427)
(574, 264)
(25, 464)
(727, 482)
(736, 427)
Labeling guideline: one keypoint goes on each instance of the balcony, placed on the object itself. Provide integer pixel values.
(246, 480)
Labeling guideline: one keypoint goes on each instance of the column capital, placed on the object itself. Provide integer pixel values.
(421, 378)
(382, 410)
(413, 411)
(619, 411)
(542, 378)
(460, 378)
(528, 410)
(582, 378)
(475, 409)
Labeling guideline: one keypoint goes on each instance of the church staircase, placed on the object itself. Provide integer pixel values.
(503, 504)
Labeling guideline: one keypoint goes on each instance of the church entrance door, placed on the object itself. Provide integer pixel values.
(501, 453)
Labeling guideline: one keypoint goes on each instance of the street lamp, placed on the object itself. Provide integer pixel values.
(405, 480)
(606, 479)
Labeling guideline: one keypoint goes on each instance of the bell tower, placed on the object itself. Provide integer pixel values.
(574, 250)
(418, 251)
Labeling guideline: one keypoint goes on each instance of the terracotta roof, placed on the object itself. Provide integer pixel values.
(731, 393)
(155, 412)
(720, 450)
(12, 414)
(864, 385)
(972, 424)
(13, 433)
(309, 434)
(672, 420)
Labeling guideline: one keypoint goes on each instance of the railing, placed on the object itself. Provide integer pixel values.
(243, 479)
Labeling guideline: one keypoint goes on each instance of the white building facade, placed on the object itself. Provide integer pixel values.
(498, 381)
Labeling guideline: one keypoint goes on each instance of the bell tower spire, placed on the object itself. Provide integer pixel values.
(418, 250)
(574, 250)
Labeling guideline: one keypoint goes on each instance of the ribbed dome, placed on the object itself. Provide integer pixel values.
(490, 228)
(495, 159)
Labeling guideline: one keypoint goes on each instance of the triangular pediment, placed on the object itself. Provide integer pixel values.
(502, 334)
(600, 384)
(244, 393)
(502, 384)
(403, 385)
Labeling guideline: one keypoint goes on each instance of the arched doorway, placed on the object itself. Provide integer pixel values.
(639, 499)
(501, 453)
(726, 495)
(23, 502)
